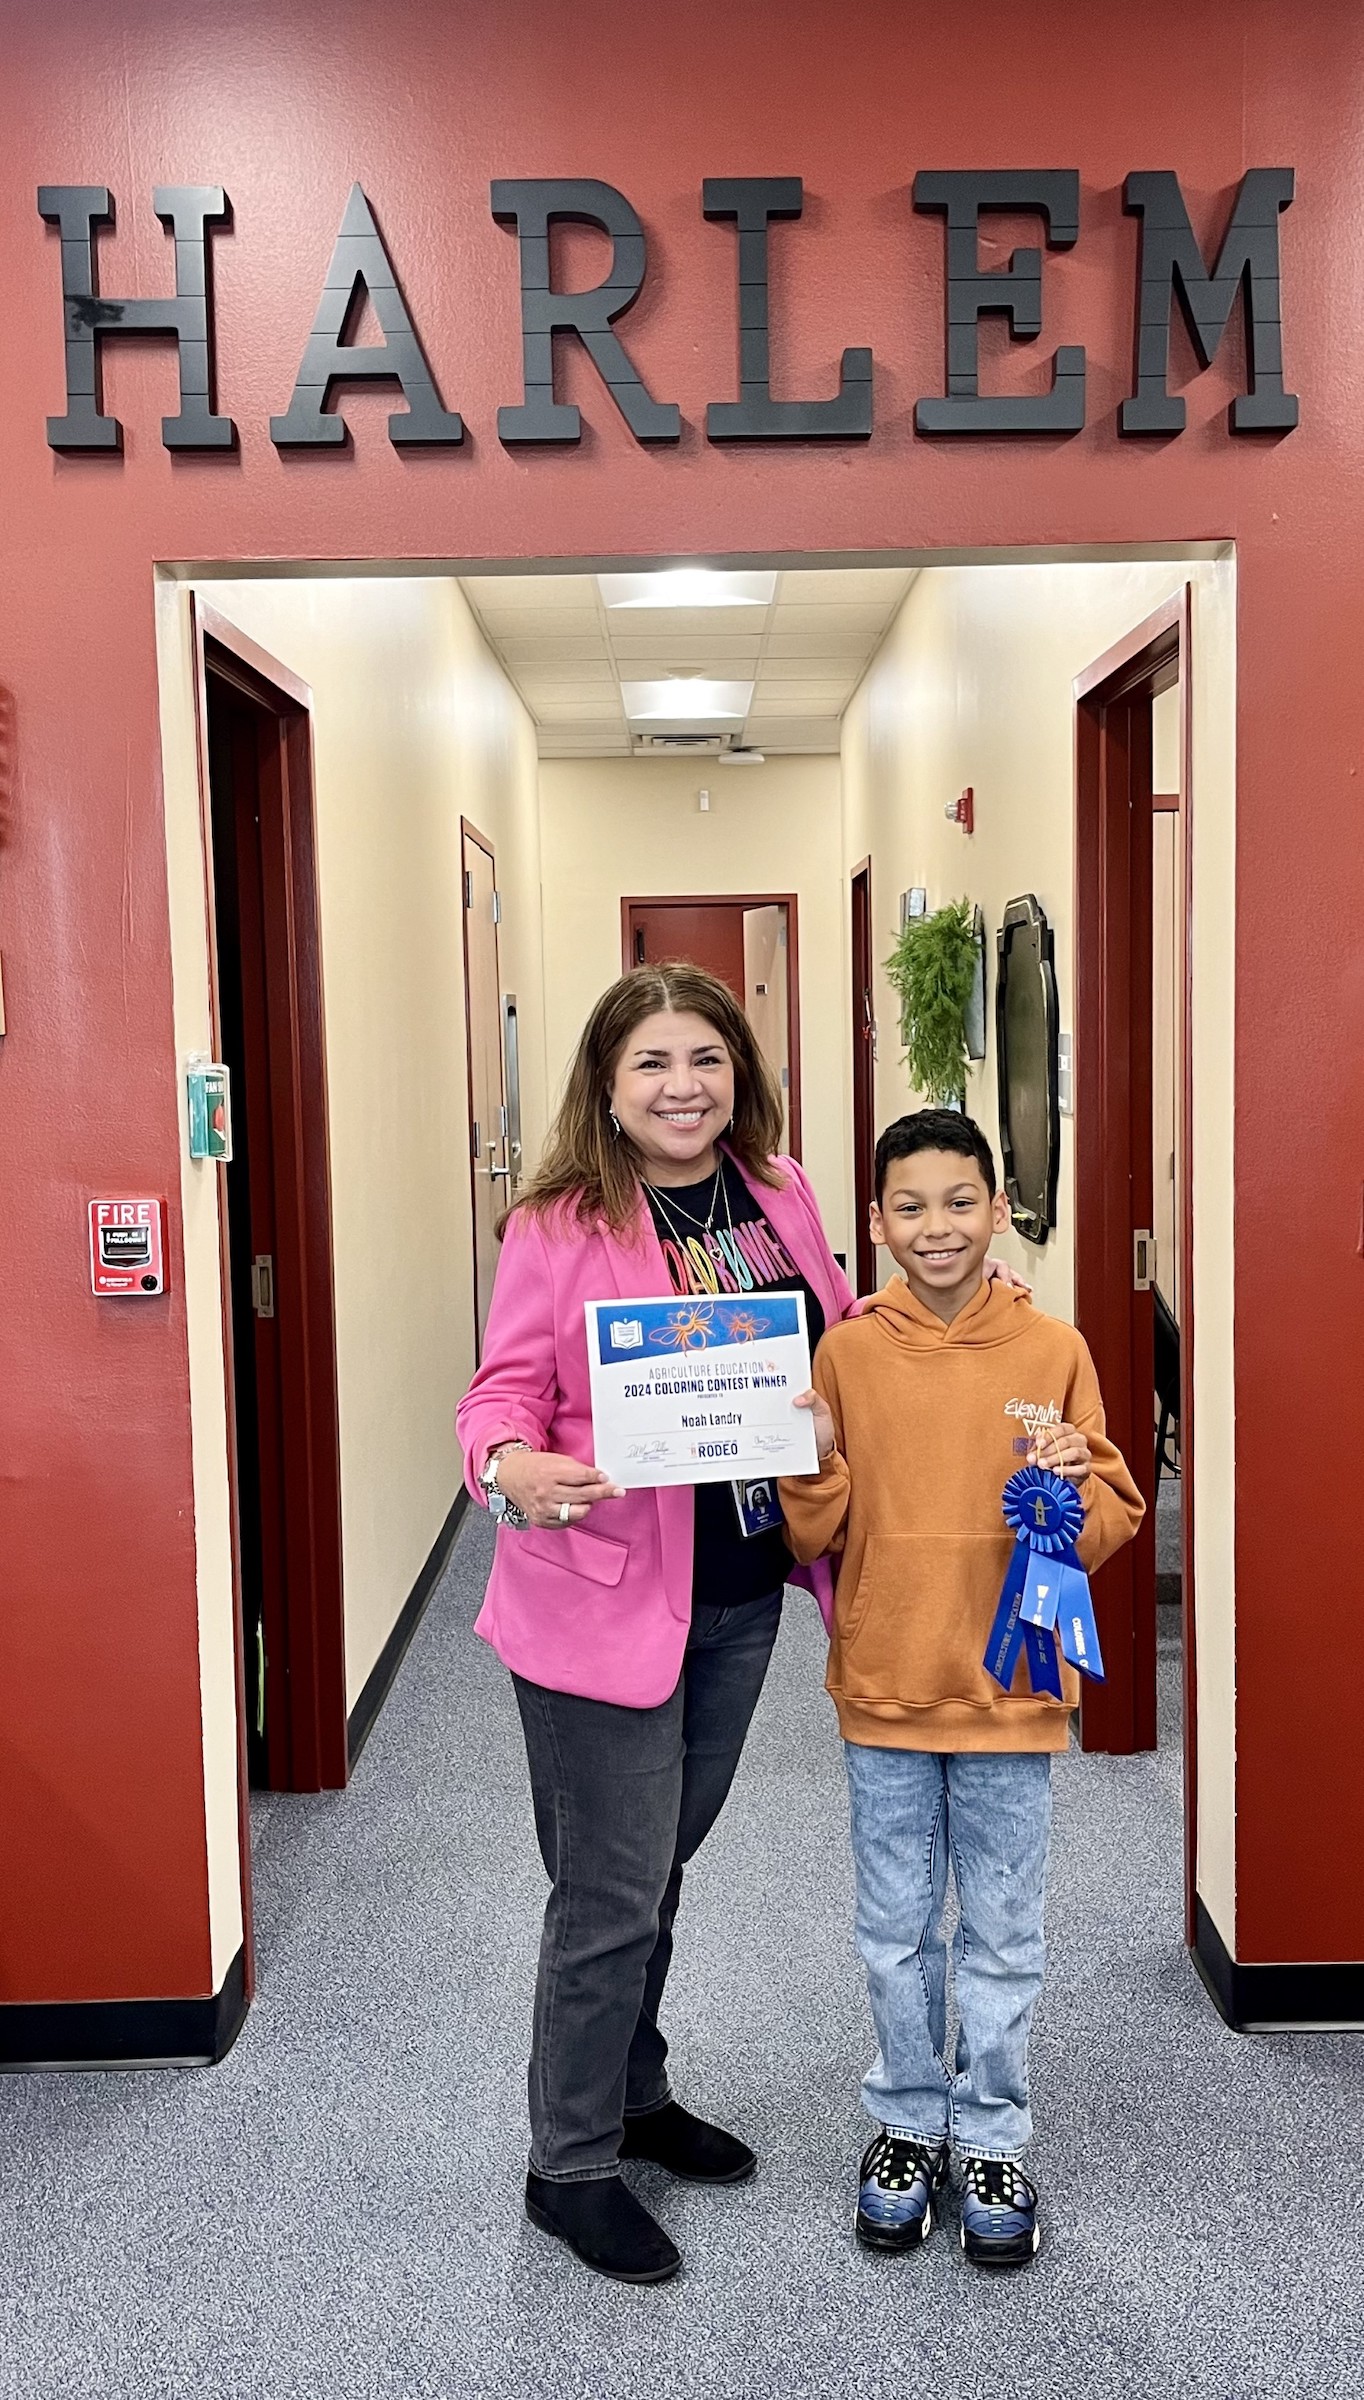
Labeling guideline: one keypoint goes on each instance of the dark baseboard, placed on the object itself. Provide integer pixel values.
(39, 2035)
(360, 1723)
(1311, 1998)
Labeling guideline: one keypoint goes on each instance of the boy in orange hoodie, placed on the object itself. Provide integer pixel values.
(924, 1406)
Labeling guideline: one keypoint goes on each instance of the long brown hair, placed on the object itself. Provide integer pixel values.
(592, 1172)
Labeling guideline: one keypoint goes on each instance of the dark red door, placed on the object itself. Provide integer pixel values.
(864, 1078)
(709, 937)
(1114, 1191)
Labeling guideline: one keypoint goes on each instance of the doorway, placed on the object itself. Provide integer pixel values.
(750, 942)
(863, 1080)
(1128, 1108)
(485, 1025)
(275, 1212)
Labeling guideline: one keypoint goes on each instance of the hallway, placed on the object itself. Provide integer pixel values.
(335, 2211)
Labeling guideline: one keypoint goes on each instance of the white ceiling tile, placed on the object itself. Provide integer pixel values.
(807, 668)
(666, 663)
(529, 594)
(685, 645)
(499, 621)
(567, 670)
(554, 745)
(818, 621)
(664, 625)
(795, 729)
(576, 712)
(833, 645)
(528, 648)
(819, 586)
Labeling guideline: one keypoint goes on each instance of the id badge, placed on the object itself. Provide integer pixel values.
(758, 1506)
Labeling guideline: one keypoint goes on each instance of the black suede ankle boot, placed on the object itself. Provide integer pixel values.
(687, 2146)
(605, 2226)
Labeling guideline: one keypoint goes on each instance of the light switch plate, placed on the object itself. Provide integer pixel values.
(1065, 1077)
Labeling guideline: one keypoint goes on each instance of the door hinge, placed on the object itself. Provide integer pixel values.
(263, 1286)
(468, 887)
(497, 906)
(1143, 1259)
(476, 1145)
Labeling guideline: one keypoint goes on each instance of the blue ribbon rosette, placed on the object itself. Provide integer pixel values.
(1046, 1593)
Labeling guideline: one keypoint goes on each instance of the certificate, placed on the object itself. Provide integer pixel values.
(700, 1391)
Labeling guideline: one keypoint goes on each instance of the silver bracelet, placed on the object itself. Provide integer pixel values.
(502, 1510)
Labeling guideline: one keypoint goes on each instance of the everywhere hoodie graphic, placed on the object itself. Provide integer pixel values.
(931, 1421)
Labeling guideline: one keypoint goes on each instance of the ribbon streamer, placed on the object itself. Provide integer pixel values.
(1045, 1595)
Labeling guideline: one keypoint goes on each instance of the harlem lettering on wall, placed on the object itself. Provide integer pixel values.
(1171, 267)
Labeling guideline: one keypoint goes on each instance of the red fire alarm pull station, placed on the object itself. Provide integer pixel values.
(127, 1249)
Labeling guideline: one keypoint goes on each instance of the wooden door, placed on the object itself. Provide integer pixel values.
(709, 934)
(252, 1247)
(489, 1163)
(278, 1301)
(863, 1079)
(1114, 1180)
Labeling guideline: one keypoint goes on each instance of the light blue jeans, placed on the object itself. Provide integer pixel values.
(992, 1813)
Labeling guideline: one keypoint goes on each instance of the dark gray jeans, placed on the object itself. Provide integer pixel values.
(623, 1798)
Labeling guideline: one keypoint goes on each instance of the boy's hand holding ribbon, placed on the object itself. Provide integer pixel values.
(1046, 1588)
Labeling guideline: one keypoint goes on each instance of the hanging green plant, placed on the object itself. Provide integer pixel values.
(933, 971)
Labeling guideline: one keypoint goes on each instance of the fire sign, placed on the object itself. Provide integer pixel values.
(127, 1248)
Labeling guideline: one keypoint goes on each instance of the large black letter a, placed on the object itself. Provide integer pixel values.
(360, 258)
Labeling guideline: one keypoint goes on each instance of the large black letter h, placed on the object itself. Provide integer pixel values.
(185, 208)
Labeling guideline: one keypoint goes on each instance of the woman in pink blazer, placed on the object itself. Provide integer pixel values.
(637, 1625)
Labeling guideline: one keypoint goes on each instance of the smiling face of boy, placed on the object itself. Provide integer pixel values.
(937, 1220)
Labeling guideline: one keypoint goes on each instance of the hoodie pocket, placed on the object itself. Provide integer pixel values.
(920, 1618)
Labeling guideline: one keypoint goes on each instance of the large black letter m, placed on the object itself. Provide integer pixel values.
(1171, 262)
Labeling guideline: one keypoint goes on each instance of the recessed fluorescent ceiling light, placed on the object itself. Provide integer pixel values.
(687, 699)
(687, 587)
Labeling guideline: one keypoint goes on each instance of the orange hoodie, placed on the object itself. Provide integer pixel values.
(931, 1422)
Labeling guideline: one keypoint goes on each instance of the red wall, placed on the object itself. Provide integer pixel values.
(102, 1861)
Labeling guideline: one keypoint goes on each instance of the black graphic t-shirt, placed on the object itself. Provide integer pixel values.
(740, 1253)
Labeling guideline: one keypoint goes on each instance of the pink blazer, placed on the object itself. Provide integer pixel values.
(601, 1608)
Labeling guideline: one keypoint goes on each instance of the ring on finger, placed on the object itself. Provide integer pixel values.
(565, 1512)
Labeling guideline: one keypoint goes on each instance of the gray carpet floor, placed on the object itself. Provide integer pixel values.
(335, 2211)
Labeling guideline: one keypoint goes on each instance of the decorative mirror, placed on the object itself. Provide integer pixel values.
(1026, 1026)
(975, 1006)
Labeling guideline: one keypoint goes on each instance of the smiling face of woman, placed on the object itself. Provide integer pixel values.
(673, 1092)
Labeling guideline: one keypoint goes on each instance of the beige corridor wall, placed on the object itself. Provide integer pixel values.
(614, 826)
(414, 725)
(973, 686)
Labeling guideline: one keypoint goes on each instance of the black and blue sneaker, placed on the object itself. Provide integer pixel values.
(998, 2213)
(898, 2180)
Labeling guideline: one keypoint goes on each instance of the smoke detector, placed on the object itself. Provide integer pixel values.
(739, 756)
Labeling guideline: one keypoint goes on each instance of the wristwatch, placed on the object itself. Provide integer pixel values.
(502, 1510)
